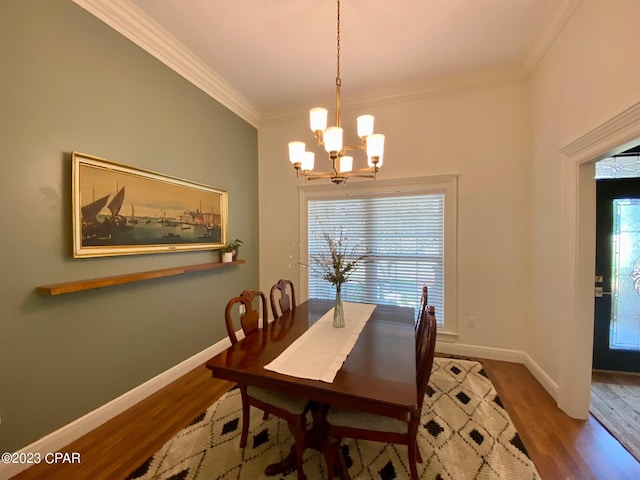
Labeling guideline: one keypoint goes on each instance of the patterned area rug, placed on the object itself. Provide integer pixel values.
(466, 434)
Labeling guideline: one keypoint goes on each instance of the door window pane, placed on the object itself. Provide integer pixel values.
(625, 302)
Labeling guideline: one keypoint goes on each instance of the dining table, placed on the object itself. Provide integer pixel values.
(378, 374)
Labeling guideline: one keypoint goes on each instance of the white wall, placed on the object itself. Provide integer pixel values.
(481, 135)
(588, 76)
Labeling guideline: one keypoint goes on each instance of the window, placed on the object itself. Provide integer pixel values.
(409, 228)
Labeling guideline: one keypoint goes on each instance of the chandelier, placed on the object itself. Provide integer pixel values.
(331, 139)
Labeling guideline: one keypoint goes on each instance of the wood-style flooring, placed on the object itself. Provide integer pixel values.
(560, 447)
(615, 402)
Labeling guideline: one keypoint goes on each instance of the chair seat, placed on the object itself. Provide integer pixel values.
(342, 417)
(280, 400)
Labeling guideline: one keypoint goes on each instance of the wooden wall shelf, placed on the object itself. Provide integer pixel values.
(78, 286)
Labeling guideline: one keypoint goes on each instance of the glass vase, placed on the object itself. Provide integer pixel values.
(338, 312)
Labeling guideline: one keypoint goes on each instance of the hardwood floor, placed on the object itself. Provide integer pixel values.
(561, 447)
(615, 402)
(116, 448)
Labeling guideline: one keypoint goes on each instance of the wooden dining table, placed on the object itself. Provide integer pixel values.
(378, 375)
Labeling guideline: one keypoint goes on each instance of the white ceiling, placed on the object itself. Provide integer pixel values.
(280, 55)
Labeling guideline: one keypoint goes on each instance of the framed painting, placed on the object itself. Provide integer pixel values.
(122, 210)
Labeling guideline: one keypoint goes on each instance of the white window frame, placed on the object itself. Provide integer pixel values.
(447, 184)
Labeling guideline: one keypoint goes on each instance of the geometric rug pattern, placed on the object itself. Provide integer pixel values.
(465, 433)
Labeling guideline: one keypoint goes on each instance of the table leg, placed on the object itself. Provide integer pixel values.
(288, 464)
(314, 438)
(341, 466)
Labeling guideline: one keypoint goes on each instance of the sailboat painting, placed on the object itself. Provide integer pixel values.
(123, 210)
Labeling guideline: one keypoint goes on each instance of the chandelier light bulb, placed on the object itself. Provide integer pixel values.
(296, 152)
(333, 139)
(365, 125)
(375, 145)
(318, 119)
(346, 164)
(307, 160)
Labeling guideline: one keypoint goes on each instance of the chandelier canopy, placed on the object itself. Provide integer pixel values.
(331, 139)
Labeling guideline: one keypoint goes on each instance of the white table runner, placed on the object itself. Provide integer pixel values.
(319, 352)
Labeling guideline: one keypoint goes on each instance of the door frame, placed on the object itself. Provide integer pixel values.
(578, 251)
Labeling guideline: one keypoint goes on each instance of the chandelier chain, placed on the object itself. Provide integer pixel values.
(338, 79)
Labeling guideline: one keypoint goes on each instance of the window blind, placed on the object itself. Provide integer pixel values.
(405, 235)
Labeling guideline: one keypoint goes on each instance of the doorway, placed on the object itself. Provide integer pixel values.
(616, 329)
(616, 341)
(617, 134)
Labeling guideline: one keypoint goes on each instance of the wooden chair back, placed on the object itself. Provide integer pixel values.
(424, 357)
(280, 298)
(422, 317)
(250, 319)
(424, 301)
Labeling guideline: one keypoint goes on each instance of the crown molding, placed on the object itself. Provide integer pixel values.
(547, 37)
(615, 135)
(444, 86)
(130, 21)
(135, 25)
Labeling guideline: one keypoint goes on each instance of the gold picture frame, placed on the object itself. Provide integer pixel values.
(123, 210)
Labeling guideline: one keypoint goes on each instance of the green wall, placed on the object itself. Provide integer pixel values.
(70, 82)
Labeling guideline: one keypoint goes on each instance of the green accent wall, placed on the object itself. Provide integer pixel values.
(70, 82)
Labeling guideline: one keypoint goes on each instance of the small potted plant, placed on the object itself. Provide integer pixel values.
(230, 251)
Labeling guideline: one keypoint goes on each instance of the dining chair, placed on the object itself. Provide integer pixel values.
(250, 319)
(424, 300)
(291, 409)
(280, 298)
(367, 426)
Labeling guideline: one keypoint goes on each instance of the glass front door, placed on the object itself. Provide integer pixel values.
(617, 286)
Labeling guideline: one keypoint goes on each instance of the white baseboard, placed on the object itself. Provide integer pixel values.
(92, 420)
(504, 355)
(545, 380)
(481, 352)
